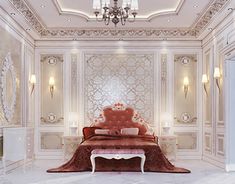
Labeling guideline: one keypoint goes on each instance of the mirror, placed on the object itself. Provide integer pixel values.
(8, 87)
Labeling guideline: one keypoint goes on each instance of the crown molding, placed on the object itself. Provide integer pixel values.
(208, 15)
(118, 33)
(135, 33)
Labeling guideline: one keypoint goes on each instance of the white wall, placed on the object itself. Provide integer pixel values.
(216, 46)
(73, 51)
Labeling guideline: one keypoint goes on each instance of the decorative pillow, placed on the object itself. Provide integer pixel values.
(129, 131)
(102, 131)
(89, 131)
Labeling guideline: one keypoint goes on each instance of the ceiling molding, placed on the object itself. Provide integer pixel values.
(69, 12)
(209, 14)
(194, 31)
(147, 18)
(24, 9)
(118, 33)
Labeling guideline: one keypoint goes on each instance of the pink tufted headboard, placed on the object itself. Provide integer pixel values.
(121, 118)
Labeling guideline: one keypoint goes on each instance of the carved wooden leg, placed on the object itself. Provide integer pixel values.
(4, 165)
(142, 163)
(92, 158)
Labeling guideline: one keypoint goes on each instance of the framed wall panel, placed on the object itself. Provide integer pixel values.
(50, 141)
(187, 141)
(220, 93)
(220, 145)
(207, 97)
(208, 142)
(185, 99)
(52, 111)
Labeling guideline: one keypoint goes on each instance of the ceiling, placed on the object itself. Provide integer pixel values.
(75, 18)
(151, 13)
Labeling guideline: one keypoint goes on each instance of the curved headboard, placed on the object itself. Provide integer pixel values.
(118, 118)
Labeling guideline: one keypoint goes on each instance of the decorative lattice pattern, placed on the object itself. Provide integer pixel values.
(112, 78)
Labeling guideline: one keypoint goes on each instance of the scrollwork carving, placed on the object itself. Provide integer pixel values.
(51, 119)
(8, 87)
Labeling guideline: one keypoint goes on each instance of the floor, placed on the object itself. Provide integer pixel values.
(202, 173)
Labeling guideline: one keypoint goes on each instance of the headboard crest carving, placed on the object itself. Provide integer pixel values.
(120, 116)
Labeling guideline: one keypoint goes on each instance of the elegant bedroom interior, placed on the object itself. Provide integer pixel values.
(117, 91)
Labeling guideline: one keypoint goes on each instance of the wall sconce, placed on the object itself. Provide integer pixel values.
(166, 123)
(32, 82)
(52, 86)
(186, 84)
(204, 82)
(217, 76)
(72, 119)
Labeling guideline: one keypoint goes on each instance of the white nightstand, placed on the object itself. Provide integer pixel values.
(168, 145)
(70, 145)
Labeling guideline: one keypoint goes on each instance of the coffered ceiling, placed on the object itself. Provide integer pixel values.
(74, 19)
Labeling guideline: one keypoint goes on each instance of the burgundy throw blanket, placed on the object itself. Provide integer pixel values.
(155, 160)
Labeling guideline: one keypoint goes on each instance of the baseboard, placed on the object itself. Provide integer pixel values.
(230, 167)
(213, 161)
(189, 157)
(49, 157)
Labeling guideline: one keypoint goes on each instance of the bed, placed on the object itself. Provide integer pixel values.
(105, 134)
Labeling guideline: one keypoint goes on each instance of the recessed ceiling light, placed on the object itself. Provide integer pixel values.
(195, 6)
(168, 20)
(210, 29)
(43, 6)
(12, 13)
(69, 20)
(27, 29)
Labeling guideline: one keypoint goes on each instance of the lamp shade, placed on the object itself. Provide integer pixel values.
(51, 81)
(204, 79)
(96, 4)
(217, 72)
(105, 3)
(166, 117)
(73, 117)
(33, 79)
(134, 5)
(186, 81)
(126, 3)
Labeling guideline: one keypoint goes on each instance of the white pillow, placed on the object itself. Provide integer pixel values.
(129, 131)
(102, 131)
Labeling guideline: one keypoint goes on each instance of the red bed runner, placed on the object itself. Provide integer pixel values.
(155, 160)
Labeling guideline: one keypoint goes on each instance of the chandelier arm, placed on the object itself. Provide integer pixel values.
(99, 19)
(133, 19)
(123, 21)
(107, 22)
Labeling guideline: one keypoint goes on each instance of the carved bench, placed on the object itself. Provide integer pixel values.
(117, 154)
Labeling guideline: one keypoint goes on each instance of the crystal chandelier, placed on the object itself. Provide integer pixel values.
(115, 13)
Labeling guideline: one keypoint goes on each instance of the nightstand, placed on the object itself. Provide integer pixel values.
(168, 145)
(70, 144)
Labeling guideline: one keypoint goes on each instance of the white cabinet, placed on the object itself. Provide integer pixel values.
(70, 145)
(168, 146)
(17, 144)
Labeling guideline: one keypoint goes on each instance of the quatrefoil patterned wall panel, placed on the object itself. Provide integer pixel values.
(126, 78)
